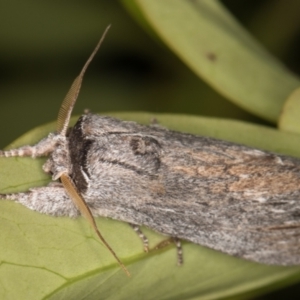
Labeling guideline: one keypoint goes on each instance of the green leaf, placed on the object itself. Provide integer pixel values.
(43, 257)
(289, 118)
(214, 45)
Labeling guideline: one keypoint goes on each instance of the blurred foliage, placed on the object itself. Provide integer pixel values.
(44, 44)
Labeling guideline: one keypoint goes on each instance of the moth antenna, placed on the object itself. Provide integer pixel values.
(66, 108)
(86, 212)
(63, 119)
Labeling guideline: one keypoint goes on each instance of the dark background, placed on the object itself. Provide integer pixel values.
(45, 43)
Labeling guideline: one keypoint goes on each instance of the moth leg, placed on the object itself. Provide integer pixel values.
(51, 200)
(177, 243)
(42, 148)
(141, 235)
(179, 251)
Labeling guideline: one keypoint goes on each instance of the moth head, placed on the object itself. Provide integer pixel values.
(58, 161)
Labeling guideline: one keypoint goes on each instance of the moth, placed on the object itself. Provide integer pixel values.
(235, 199)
